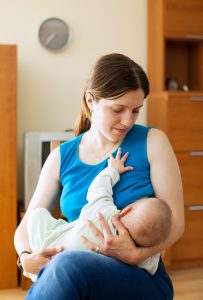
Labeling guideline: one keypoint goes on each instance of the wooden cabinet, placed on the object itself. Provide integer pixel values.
(175, 54)
(180, 115)
(183, 18)
(188, 251)
(8, 201)
(192, 176)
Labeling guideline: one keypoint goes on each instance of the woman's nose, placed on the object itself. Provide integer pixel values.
(128, 119)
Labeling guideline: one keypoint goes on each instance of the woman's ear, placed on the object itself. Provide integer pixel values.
(125, 211)
(89, 100)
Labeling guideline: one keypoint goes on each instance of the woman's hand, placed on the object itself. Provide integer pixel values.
(120, 246)
(33, 262)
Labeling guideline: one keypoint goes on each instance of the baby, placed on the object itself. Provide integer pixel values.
(148, 220)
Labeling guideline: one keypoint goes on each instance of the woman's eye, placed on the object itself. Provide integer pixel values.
(117, 110)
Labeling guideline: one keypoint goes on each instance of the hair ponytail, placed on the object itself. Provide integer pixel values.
(83, 121)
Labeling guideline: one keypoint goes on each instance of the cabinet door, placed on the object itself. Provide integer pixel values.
(8, 201)
(184, 122)
(183, 18)
(191, 167)
(190, 246)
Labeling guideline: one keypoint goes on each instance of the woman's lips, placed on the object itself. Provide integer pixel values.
(123, 131)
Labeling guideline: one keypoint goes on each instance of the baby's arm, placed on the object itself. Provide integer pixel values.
(100, 192)
(101, 187)
(118, 163)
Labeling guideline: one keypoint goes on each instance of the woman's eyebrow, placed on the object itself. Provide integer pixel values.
(127, 106)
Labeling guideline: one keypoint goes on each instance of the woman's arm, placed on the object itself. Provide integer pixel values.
(166, 181)
(46, 195)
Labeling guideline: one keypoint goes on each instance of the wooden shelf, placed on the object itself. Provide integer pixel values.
(175, 43)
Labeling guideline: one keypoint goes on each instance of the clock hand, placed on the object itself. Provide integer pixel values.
(50, 38)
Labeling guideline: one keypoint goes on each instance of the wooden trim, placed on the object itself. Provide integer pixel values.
(8, 189)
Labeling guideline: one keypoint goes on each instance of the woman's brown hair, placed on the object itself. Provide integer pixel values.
(112, 76)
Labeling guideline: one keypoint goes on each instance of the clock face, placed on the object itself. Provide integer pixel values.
(54, 34)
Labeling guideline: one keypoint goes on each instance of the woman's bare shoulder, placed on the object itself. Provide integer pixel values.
(155, 133)
(53, 160)
(158, 144)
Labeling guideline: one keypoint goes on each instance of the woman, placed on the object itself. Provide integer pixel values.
(113, 97)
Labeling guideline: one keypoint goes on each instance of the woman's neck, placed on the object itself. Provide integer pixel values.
(96, 147)
(96, 138)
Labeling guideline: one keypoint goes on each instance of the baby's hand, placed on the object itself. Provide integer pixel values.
(118, 162)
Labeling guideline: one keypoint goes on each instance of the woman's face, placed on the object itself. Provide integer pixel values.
(114, 118)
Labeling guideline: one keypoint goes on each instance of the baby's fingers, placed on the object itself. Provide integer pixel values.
(111, 157)
(129, 168)
(118, 154)
(125, 156)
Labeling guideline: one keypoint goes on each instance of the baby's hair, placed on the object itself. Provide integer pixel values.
(159, 224)
(152, 219)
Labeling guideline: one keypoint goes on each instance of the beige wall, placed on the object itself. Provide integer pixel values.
(50, 84)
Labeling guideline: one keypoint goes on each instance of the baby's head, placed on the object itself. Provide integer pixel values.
(148, 221)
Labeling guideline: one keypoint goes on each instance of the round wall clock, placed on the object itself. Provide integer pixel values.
(54, 34)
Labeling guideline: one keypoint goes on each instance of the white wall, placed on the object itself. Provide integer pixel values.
(50, 84)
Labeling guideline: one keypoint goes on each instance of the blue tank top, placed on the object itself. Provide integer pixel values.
(76, 176)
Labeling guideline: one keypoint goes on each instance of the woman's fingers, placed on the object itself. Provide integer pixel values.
(88, 243)
(105, 228)
(95, 231)
(118, 225)
(120, 246)
(33, 262)
(104, 238)
(51, 251)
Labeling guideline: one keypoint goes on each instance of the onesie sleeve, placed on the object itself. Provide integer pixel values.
(101, 186)
(150, 264)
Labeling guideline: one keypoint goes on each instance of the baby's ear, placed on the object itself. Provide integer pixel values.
(125, 211)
